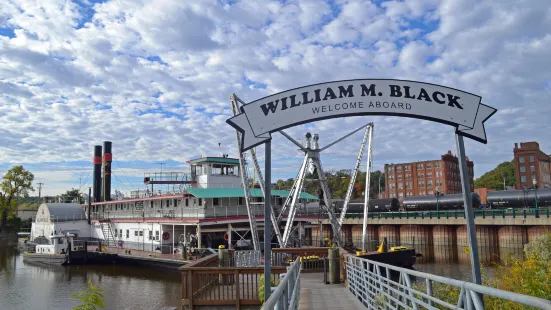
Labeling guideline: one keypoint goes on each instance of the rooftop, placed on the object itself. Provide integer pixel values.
(224, 160)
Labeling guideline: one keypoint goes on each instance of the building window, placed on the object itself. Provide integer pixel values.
(400, 185)
(399, 177)
(429, 174)
(437, 165)
(429, 183)
(429, 165)
(522, 169)
(532, 169)
(399, 168)
(421, 184)
(521, 159)
(531, 158)
(430, 192)
(400, 195)
(523, 178)
(408, 184)
(533, 178)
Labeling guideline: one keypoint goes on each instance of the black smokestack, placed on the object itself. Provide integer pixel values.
(107, 159)
(89, 204)
(97, 173)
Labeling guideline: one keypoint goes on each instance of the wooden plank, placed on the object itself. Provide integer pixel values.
(237, 289)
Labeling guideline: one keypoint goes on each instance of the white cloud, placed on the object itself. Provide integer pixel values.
(155, 77)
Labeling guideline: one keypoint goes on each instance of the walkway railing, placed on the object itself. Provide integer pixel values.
(287, 294)
(457, 214)
(382, 286)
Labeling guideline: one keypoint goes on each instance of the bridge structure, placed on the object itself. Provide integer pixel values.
(301, 279)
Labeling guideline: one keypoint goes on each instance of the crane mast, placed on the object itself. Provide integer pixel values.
(312, 155)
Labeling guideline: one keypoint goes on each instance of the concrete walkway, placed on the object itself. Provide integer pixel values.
(314, 294)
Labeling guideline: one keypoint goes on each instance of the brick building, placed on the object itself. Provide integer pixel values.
(424, 178)
(531, 164)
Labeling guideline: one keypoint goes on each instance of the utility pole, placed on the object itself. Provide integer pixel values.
(39, 193)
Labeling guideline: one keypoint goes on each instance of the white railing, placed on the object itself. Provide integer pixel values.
(382, 286)
(247, 258)
(287, 294)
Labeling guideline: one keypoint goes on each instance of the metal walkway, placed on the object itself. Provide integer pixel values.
(314, 294)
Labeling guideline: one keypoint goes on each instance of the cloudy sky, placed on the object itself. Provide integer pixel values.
(155, 77)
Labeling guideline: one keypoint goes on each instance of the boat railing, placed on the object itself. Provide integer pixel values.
(379, 285)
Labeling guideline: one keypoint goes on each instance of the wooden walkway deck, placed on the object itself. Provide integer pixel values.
(314, 294)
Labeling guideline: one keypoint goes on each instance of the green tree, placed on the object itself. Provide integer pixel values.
(91, 298)
(494, 179)
(17, 182)
(72, 194)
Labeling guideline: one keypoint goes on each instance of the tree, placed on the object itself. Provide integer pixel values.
(494, 179)
(17, 182)
(91, 297)
(72, 195)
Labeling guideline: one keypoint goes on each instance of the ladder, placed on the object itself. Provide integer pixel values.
(368, 130)
(108, 234)
(245, 180)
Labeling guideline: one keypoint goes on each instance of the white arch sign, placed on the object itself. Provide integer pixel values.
(463, 110)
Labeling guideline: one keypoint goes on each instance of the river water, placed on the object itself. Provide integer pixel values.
(29, 287)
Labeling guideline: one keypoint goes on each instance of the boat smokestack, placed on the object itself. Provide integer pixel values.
(107, 159)
(97, 173)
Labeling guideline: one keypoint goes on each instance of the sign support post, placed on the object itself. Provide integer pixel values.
(267, 214)
(469, 214)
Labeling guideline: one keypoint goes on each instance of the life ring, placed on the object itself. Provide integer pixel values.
(226, 236)
(166, 235)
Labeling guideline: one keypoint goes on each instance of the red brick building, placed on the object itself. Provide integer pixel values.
(424, 178)
(531, 164)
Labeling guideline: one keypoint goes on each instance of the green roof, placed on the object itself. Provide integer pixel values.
(240, 192)
(225, 160)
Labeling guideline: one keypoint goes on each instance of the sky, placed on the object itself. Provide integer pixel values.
(154, 77)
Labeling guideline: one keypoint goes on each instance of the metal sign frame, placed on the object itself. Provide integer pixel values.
(390, 97)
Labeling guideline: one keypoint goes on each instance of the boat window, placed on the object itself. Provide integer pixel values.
(168, 203)
(141, 233)
(135, 233)
(187, 202)
(151, 203)
(200, 201)
(127, 234)
(215, 201)
(120, 233)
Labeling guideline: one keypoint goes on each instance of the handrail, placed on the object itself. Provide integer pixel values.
(286, 295)
(367, 281)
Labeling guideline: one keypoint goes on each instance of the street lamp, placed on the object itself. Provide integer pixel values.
(535, 182)
(437, 193)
